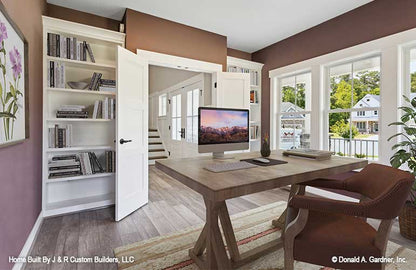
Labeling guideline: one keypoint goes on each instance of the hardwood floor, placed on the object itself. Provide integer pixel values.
(172, 207)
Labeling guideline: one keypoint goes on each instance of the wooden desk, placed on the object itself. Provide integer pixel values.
(218, 187)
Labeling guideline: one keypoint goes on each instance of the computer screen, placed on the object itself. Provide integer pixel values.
(223, 126)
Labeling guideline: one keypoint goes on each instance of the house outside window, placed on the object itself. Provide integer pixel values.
(354, 94)
(294, 113)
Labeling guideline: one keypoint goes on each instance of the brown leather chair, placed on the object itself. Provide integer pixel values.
(319, 228)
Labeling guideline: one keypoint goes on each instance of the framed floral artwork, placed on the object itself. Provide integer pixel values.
(13, 82)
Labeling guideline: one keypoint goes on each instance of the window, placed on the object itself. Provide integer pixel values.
(162, 105)
(295, 111)
(192, 116)
(354, 87)
(176, 117)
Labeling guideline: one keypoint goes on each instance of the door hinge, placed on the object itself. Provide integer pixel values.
(168, 153)
(215, 85)
(169, 101)
(169, 127)
(200, 92)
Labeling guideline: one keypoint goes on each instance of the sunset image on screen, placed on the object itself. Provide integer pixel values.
(223, 126)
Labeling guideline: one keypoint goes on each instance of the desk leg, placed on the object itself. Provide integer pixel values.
(281, 221)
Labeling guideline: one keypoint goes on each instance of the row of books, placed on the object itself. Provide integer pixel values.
(254, 132)
(60, 137)
(110, 161)
(85, 163)
(68, 47)
(56, 74)
(254, 75)
(254, 97)
(104, 109)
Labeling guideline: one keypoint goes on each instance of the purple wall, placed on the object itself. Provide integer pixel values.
(20, 165)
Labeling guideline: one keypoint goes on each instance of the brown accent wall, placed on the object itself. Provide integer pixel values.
(238, 54)
(372, 21)
(81, 17)
(147, 32)
(21, 164)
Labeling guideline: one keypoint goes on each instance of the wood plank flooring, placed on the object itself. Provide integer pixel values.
(172, 207)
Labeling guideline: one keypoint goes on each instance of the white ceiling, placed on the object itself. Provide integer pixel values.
(249, 25)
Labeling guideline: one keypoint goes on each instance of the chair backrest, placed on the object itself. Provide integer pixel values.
(387, 187)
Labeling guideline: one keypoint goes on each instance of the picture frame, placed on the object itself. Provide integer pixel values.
(14, 74)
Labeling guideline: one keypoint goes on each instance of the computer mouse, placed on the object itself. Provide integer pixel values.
(262, 160)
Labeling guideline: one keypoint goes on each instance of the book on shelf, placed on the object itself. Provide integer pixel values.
(110, 161)
(104, 109)
(95, 81)
(68, 47)
(60, 137)
(254, 97)
(64, 166)
(56, 74)
(72, 111)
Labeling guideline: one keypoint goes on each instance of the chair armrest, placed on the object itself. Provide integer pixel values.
(326, 183)
(328, 205)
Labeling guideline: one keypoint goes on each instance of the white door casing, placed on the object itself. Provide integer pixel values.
(233, 90)
(132, 124)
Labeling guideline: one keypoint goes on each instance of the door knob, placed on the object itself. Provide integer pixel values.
(124, 141)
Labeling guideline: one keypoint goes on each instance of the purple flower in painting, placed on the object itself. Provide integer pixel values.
(3, 34)
(16, 60)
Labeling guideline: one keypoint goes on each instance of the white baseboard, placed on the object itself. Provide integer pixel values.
(330, 195)
(29, 242)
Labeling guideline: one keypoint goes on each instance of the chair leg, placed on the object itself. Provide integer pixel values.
(288, 250)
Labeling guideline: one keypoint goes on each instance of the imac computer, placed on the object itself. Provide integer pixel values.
(221, 130)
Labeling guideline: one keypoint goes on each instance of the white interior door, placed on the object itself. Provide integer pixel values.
(233, 90)
(184, 104)
(132, 133)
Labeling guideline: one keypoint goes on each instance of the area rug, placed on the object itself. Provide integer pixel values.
(252, 228)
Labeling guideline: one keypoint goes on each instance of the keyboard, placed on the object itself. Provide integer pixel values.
(229, 166)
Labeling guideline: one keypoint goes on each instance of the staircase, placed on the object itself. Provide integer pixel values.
(156, 147)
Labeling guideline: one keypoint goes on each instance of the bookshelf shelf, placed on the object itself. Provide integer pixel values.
(79, 204)
(80, 177)
(81, 64)
(68, 194)
(79, 120)
(80, 148)
(79, 91)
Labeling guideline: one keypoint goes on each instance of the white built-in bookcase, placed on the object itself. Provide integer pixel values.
(254, 68)
(71, 194)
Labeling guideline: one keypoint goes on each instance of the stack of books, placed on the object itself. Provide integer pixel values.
(60, 137)
(72, 111)
(104, 109)
(90, 163)
(56, 74)
(107, 85)
(64, 166)
(68, 47)
(253, 97)
(110, 161)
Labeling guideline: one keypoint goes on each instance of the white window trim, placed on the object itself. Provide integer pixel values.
(391, 49)
(275, 141)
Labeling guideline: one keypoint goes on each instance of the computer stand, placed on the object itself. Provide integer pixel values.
(220, 155)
